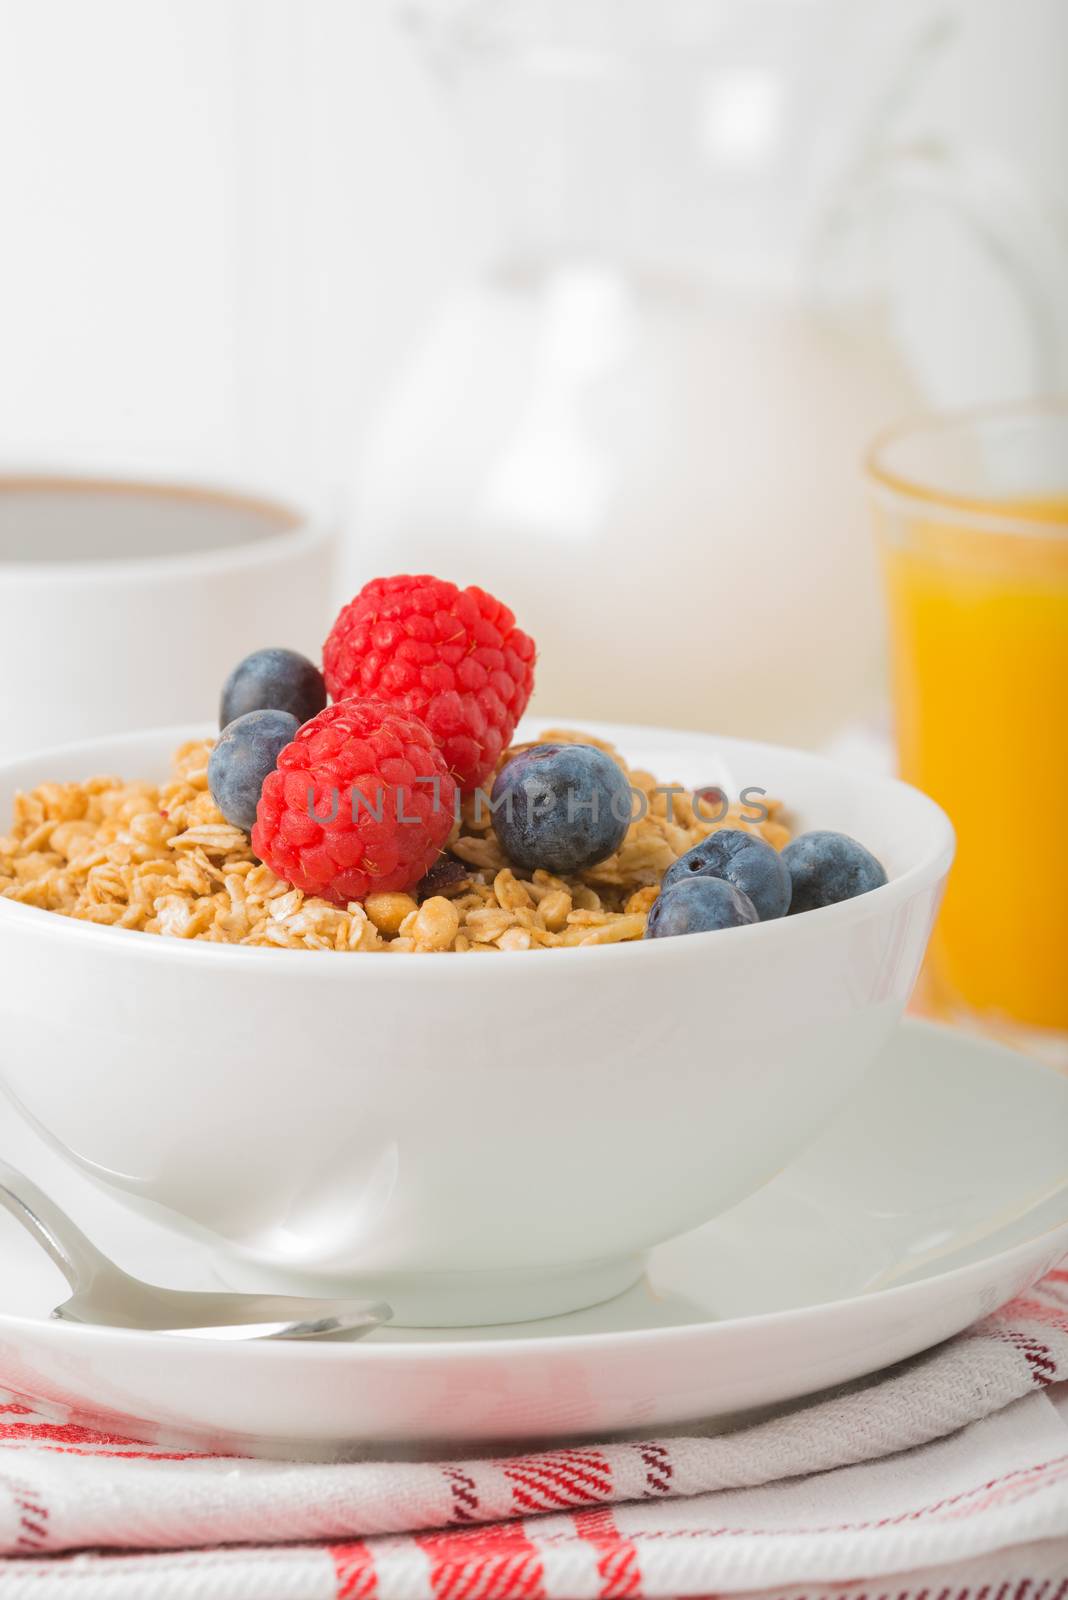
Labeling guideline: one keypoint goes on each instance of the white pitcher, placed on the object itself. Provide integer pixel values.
(641, 424)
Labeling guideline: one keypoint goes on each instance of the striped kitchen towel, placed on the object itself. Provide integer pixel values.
(943, 1479)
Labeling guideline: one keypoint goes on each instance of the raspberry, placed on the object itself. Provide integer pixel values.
(452, 656)
(360, 802)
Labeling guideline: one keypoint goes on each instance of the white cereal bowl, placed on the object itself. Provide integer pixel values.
(475, 1141)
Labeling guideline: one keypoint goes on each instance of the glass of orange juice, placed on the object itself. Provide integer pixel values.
(972, 514)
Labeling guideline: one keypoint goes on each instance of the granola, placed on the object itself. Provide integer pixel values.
(163, 860)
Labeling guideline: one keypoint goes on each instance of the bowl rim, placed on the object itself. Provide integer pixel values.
(925, 873)
(291, 531)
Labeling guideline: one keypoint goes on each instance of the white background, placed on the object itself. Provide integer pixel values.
(224, 222)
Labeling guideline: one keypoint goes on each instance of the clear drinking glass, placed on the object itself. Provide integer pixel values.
(972, 516)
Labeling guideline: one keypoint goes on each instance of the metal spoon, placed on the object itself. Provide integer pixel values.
(107, 1296)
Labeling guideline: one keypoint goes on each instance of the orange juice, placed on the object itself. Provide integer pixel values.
(978, 606)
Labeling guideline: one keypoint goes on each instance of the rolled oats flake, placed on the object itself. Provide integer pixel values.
(162, 860)
(554, 908)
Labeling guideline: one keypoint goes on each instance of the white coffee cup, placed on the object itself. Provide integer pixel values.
(126, 602)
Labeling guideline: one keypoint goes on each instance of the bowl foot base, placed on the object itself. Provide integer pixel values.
(450, 1299)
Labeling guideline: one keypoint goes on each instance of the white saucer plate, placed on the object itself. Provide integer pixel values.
(940, 1193)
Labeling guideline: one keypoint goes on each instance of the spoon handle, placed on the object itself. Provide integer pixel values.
(76, 1256)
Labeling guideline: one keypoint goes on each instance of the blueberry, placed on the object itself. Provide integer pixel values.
(246, 751)
(697, 905)
(273, 680)
(742, 859)
(560, 806)
(827, 867)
